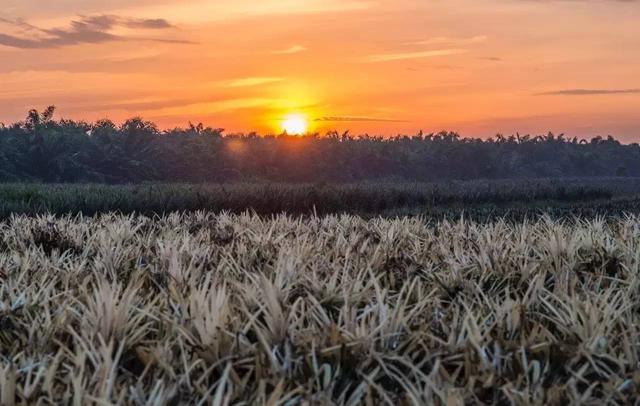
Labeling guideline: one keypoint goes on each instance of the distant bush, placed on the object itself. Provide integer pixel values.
(45, 150)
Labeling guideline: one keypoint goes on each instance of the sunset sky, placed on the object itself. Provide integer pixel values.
(478, 67)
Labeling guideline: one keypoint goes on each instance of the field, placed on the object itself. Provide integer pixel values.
(479, 199)
(501, 291)
(245, 309)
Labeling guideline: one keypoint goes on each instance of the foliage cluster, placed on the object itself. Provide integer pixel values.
(240, 309)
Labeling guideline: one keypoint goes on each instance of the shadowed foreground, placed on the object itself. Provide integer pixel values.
(239, 308)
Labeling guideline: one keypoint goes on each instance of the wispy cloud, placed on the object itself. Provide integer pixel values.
(588, 92)
(413, 55)
(355, 119)
(451, 41)
(150, 23)
(491, 58)
(217, 106)
(84, 30)
(252, 81)
(295, 49)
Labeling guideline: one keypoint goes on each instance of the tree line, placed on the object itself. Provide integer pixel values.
(43, 149)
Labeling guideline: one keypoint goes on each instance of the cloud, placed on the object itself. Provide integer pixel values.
(588, 92)
(356, 119)
(252, 81)
(217, 106)
(149, 23)
(295, 49)
(84, 30)
(451, 41)
(491, 58)
(413, 55)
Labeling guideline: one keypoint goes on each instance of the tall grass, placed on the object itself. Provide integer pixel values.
(241, 309)
(572, 196)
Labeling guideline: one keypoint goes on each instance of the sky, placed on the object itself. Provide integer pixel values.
(478, 67)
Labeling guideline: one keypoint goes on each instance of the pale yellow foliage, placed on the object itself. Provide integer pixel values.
(240, 309)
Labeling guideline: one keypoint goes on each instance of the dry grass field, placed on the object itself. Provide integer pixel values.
(241, 309)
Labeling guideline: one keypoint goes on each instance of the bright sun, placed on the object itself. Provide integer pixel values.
(295, 124)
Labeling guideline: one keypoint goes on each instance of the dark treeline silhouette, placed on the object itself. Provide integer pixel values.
(47, 150)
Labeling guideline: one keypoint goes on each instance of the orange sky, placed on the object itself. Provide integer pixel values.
(378, 66)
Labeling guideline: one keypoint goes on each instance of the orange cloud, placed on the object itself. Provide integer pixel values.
(399, 56)
(295, 49)
(252, 81)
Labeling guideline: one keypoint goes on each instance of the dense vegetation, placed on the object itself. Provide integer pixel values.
(480, 200)
(206, 309)
(45, 150)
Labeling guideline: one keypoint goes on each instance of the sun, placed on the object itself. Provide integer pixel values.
(295, 124)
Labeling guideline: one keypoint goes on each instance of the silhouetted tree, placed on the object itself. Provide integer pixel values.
(43, 149)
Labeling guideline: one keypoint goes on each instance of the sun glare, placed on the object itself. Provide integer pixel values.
(295, 124)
